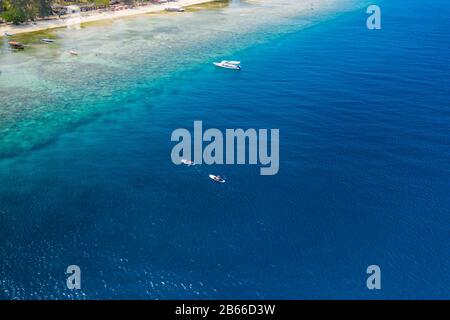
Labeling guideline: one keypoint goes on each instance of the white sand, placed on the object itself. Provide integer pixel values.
(83, 17)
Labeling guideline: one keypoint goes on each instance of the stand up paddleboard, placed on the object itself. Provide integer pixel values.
(187, 162)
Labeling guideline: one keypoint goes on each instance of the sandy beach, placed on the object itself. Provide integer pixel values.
(73, 19)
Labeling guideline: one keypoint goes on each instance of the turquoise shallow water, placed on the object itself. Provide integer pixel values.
(86, 176)
(45, 90)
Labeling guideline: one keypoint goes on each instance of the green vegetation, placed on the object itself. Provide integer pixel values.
(101, 2)
(15, 15)
(18, 11)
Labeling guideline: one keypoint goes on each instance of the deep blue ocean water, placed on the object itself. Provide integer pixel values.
(364, 174)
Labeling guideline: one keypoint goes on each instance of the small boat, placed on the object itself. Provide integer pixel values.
(217, 178)
(234, 65)
(7, 34)
(73, 52)
(174, 9)
(187, 162)
(16, 45)
(47, 40)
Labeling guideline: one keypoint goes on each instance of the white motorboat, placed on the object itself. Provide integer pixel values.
(217, 178)
(47, 40)
(175, 9)
(73, 52)
(234, 65)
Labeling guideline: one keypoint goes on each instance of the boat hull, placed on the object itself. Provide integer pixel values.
(227, 66)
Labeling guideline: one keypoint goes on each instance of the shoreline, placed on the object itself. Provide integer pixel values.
(84, 17)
